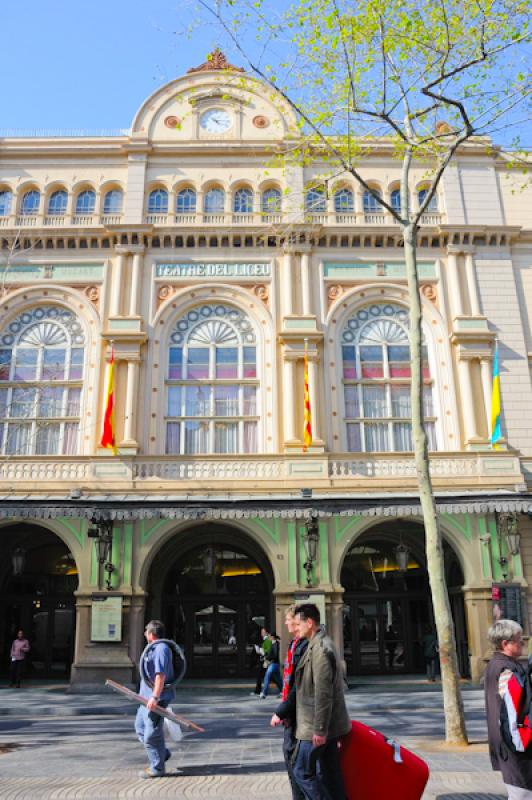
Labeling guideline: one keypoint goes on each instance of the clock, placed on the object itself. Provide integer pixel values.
(215, 121)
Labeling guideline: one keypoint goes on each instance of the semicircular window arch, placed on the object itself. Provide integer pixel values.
(42, 353)
(212, 383)
(376, 376)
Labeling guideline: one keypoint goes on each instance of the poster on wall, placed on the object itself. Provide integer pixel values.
(316, 598)
(106, 618)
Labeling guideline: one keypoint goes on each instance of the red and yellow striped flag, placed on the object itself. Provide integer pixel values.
(307, 412)
(108, 435)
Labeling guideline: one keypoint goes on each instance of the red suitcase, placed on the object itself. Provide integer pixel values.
(377, 768)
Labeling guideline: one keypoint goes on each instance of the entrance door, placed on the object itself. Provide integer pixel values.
(375, 635)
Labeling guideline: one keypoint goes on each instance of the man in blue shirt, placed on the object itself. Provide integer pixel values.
(157, 675)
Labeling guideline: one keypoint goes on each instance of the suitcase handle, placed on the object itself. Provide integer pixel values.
(396, 750)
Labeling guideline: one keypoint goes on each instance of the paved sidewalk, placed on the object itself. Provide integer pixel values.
(71, 754)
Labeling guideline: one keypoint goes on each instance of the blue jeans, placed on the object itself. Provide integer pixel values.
(273, 673)
(316, 771)
(150, 731)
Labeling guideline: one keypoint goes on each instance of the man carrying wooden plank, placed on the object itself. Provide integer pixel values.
(157, 686)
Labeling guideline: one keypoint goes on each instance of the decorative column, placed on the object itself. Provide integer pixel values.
(472, 284)
(136, 277)
(313, 392)
(286, 284)
(117, 284)
(468, 405)
(289, 379)
(305, 285)
(486, 376)
(130, 405)
(453, 282)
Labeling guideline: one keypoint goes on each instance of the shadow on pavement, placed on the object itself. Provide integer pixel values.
(471, 796)
(229, 769)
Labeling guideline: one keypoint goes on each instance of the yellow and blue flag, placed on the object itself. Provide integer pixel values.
(495, 401)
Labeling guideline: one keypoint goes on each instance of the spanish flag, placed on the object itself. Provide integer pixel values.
(495, 401)
(307, 413)
(108, 435)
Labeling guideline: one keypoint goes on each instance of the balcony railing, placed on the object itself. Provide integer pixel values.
(481, 470)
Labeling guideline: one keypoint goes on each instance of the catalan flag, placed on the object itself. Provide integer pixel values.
(495, 401)
(307, 413)
(108, 436)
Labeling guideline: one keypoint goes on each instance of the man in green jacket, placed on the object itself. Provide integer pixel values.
(321, 713)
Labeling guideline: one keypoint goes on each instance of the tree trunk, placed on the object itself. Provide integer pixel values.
(455, 730)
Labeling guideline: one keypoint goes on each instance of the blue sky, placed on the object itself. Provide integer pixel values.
(90, 63)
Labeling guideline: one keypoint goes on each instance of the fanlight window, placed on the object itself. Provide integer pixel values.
(86, 202)
(214, 202)
(344, 201)
(158, 202)
(315, 200)
(371, 204)
(112, 202)
(243, 201)
(433, 203)
(57, 203)
(41, 373)
(376, 381)
(30, 203)
(271, 201)
(212, 383)
(186, 202)
(395, 200)
(5, 203)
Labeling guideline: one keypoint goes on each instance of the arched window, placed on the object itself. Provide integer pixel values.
(214, 202)
(395, 200)
(212, 383)
(344, 201)
(271, 201)
(371, 204)
(112, 202)
(41, 372)
(376, 380)
(243, 201)
(186, 202)
(30, 203)
(315, 200)
(85, 202)
(57, 203)
(433, 204)
(158, 202)
(5, 203)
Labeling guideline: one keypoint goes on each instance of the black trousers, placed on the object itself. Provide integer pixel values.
(289, 746)
(15, 672)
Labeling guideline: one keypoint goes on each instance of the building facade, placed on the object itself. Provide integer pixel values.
(211, 272)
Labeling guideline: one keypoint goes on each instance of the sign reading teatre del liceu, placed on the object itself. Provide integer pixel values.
(226, 269)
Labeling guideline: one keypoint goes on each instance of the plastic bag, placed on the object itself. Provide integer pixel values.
(173, 729)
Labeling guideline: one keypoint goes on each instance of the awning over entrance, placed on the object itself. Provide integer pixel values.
(135, 507)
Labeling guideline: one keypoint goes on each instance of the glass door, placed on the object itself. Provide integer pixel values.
(375, 638)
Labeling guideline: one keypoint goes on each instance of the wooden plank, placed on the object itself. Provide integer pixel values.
(163, 712)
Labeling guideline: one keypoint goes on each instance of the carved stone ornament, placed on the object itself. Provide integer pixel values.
(261, 121)
(429, 291)
(262, 293)
(93, 293)
(172, 122)
(164, 293)
(335, 292)
(216, 60)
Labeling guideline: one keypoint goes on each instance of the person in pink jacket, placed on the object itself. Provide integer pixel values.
(19, 649)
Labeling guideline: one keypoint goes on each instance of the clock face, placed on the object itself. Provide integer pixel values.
(215, 121)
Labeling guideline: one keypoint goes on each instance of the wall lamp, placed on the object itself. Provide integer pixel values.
(102, 532)
(507, 531)
(311, 541)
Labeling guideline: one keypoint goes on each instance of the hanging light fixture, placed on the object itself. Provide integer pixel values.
(102, 533)
(310, 542)
(402, 556)
(18, 560)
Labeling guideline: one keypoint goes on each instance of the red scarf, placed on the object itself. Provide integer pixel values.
(288, 668)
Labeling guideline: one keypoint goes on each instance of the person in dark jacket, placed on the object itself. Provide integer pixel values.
(285, 713)
(506, 638)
